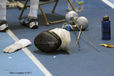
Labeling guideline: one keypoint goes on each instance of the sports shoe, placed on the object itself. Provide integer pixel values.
(30, 22)
(3, 25)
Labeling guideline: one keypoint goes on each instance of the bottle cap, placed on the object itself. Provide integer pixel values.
(105, 18)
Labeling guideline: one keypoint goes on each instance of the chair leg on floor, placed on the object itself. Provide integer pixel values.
(72, 5)
(45, 17)
(53, 10)
(20, 16)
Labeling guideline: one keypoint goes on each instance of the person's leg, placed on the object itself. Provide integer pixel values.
(31, 21)
(33, 8)
(3, 23)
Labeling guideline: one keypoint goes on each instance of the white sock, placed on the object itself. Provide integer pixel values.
(17, 45)
(2, 9)
(33, 8)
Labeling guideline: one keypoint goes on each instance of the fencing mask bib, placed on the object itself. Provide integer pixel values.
(53, 40)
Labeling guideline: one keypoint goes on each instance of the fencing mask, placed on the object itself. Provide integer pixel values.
(82, 21)
(71, 16)
(53, 40)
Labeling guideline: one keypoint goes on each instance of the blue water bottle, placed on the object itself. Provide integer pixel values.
(106, 28)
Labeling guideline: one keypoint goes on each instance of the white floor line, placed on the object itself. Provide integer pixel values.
(31, 56)
(109, 3)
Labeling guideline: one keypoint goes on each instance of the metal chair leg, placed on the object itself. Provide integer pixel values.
(20, 17)
(45, 17)
(72, 5)
(53, 10)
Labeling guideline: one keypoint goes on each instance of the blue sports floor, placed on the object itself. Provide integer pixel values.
(86, 62)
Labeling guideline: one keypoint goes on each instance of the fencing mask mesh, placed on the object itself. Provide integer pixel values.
(47, 41)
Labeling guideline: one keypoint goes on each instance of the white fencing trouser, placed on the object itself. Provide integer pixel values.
(2, 9)
(33, 8)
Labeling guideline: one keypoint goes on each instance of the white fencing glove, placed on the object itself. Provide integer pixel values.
(17, 45)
